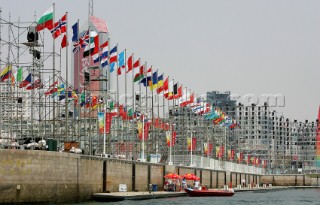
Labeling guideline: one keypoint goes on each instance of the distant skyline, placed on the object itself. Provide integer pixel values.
(245, 47)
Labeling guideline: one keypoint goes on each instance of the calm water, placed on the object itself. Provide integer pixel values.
(283, 197)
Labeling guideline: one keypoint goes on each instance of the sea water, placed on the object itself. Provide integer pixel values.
(276, 197)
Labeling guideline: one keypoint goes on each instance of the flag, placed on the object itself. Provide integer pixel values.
(121, 61)
(104, 53)
(178, 94)
(35, 84)
(46, 20)
(169, 92)
(154, 81)
(129, 63)
(92, 46)
(160, 83)
(75, 38)
(113, 55)
(147, 78)
(59, 27)
(26, 81)
(19, 74)
(6, 73)
(139, 76)
(84, 39)
(64, 42)
(164, 86)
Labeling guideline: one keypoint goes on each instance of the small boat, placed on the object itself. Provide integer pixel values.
(209, 192)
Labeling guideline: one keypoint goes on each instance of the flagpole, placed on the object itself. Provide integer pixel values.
(125, 98)
(170, 123)
(67, 82)
(158, 130)
(109, 93)
(133, 109)
(54, 78)
(78, 75)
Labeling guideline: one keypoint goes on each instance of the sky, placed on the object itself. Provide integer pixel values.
(247, 47)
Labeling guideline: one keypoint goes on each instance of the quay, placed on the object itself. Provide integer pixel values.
(35, 176)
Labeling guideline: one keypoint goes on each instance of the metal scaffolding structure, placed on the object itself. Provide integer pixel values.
(175, 134)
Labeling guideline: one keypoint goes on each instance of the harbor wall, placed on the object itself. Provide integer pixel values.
(34, 176)
(286, 180)
(40, 176)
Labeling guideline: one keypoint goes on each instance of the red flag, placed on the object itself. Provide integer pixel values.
(136, 64)
(129, 63)
(64, 42)
(179, 93)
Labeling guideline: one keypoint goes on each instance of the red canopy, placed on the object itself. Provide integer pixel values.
(190, 176)
(172, 176)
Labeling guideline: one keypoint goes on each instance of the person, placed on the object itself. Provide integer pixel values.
(243, 182)
(184, 183)
(196, 184)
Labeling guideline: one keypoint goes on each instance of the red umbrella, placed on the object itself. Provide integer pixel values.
(189, 176)
(172, 176)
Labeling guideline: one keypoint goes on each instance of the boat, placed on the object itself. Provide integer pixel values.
(209, 192)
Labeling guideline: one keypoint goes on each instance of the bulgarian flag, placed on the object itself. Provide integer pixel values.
(46, 20)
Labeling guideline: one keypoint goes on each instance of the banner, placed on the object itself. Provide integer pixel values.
(168, 135)
(221, 151)
(146, 126)
(101, 122)
(232, 154)
(207, 149)
(194, 143)
(109, 116)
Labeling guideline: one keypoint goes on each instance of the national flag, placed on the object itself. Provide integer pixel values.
(169, 92)
(160, 84)
(178, 94)
(147, 78)
(104, 53)
(26, 81)
(121, 61)
(113, 55)
(6, 73)
(35, 84)
(19, 74)
(93, 45)
(139, 76)
(64, 42)
(59, 27)
(154, 81)
(75, 31)
(46, 20)
(129, 63)
(75, 38)
(84, 39)
(52, 88)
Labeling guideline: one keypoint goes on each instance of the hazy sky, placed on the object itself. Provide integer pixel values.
(246, 47)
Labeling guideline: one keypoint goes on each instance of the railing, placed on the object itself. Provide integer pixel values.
(208, 163)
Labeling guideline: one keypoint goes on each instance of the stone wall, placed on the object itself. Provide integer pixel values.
(118, 172)
(286, 180)
(40, 176)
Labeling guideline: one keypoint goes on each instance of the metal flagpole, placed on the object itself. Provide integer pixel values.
(67, 82)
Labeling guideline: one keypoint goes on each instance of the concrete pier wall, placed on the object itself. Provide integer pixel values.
(42, 176)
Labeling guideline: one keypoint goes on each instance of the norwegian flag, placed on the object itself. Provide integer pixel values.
(59, 27)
